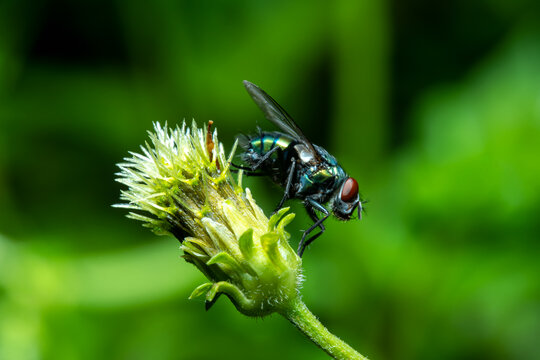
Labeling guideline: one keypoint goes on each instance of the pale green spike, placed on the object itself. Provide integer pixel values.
(269, 243)
(284, 222)
(246, 243)
(225, 259)
(191, 249)
(275, 218)
(200, 290)
(240, 300)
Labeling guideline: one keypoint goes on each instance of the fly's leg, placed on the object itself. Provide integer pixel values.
(304, 245)
(312, 205)
(287, 186)
(264, 158)
(239, 167)
(315, 218)
(258, 164)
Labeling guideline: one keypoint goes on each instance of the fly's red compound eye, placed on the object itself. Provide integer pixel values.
(349, 192)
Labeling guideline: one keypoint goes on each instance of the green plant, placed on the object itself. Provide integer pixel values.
(181, 184)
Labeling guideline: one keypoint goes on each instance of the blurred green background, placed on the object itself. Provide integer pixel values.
(433, 107)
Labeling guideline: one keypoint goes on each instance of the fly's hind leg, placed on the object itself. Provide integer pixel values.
(265, 157)
(258, 164)
(239, 167)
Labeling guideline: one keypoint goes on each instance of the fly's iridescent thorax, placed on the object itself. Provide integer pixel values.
(321, 177)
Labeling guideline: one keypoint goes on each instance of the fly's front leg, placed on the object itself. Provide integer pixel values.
(312, 205)
(287, 185)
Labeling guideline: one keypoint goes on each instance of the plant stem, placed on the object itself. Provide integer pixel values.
(306, 322)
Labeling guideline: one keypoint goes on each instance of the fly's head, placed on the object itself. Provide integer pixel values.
(347, 200)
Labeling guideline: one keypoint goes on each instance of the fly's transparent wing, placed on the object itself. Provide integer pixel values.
(277, 115)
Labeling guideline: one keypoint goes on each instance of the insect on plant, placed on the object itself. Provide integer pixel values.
(306, 171)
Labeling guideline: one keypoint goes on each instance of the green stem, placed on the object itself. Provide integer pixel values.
(307, 323)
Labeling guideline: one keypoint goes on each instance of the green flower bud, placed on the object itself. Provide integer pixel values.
(181, 184)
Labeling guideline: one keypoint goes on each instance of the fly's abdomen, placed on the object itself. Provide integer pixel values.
(258, 148)
(267, 142)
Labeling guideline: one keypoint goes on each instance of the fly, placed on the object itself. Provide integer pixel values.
(306, 171)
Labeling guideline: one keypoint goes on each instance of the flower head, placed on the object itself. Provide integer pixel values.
(181, 184)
